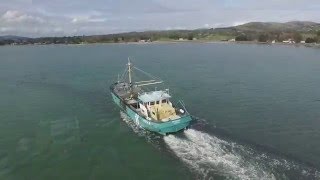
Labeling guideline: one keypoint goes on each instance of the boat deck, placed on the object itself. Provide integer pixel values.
(174, 117)
(123, 90)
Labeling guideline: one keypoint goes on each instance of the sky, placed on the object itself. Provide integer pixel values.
(37, 18)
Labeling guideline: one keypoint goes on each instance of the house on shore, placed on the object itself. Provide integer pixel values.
(289, 41)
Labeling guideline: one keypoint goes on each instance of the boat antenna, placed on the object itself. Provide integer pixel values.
(129, 71)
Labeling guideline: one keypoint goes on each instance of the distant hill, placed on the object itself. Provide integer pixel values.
(15, 38)
(253, 31)
(269, 31)
(300, 26)
(10, 39)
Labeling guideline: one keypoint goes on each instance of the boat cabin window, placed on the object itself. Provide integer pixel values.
(157, 102)
(151, 103)
(164, 101)
(135, 105)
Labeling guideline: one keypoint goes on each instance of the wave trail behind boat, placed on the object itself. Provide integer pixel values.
(208, 156)
(211, 156)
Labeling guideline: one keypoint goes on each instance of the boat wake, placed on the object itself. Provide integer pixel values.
(209, 157)
(132, 125)
(152, 138)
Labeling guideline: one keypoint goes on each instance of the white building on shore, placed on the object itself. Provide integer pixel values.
(289, 41)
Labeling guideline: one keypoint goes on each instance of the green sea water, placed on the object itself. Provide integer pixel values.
(259, 110)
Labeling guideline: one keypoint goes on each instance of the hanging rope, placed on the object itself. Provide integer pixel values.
(133, 74)
(148, 74)
(124, 74)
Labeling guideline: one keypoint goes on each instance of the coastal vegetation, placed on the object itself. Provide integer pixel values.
(295, 31)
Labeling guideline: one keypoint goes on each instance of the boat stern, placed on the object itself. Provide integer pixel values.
(174, 126)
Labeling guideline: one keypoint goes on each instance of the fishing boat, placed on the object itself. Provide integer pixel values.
(151, 110)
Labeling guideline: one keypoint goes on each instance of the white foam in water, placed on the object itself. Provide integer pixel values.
(138, 130)
(209, 155)
(131, 124)
(150, 137)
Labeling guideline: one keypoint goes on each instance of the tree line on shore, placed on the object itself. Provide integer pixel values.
(280, 37)
(110, 38)
(298, 31)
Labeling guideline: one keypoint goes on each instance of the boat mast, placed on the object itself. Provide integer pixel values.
(141, 83)
(129, 71)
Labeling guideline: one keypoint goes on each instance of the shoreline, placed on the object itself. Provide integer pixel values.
(312, 45)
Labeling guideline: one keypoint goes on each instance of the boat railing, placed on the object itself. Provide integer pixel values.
(181, 106)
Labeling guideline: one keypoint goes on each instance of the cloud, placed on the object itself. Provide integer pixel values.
(13, 16)
(84, 17)
(5, 29)
(175, 28)
(239, 23)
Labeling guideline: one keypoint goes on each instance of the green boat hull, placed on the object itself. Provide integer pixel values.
(163, 128)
